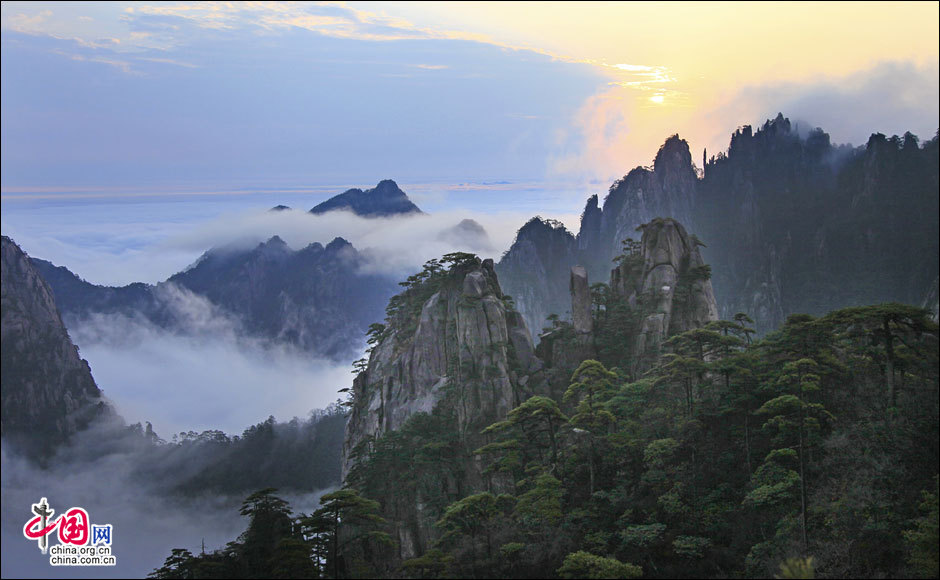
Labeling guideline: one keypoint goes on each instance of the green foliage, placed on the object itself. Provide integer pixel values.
(511, 549)
(404, 309)
(924, 540)
(472, 526)
(642, 536)
(797, 568)
(730, 456)
(532, 427)
(540, 508)
(473, 514)
(179, 564)
(587, 565)
(691, 546)
(264, 455)
(420, 458)
(271, 546)
(630, 253)
(658, 452)
(432, 564)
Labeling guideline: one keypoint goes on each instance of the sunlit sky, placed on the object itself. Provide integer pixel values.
(225, 95)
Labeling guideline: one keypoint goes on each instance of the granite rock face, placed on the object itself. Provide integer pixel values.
(581, 301)
(792, 223)
(465, 335)
(670, 283)
(48, 390)
(932, 301)
(466, 350)
(666, 190)
(535, 271)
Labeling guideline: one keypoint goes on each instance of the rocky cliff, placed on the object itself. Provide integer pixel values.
(793, 224)
(536, 267)
(797, 224)
(454, 357)
(660, 287)
(668, 284)
(535, 270)
(48, 390)
(463, 333)
(666, 190)
(454, 346)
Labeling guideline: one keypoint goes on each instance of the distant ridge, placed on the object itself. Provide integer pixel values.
(315, 298)
(385, 199)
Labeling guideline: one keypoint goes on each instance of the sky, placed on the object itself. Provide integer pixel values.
(210, 96)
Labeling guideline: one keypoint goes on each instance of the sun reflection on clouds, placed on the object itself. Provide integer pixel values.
(659, 68)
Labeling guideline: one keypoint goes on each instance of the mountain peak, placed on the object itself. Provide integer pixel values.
(385, 199)
(337, 244)
(673, 154)
(385, 187)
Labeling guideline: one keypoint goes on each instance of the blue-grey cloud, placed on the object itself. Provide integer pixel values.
(234, 105)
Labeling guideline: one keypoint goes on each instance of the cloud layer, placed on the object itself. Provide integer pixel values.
(146, 526)
(396, 246)
(215, 380)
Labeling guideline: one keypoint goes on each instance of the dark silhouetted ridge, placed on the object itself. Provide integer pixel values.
(385, 199)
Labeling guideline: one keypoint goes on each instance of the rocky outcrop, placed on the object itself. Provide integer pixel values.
(668, 283)
(581, 317)
(666, 190)
(455, 346)
(48, 390)
(535, 271)
(384, 200)
(932, 301)
(797, 224)
(793, 223)
(465, 335)
(562, 347)
(589, 236)
(536, 268)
